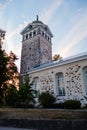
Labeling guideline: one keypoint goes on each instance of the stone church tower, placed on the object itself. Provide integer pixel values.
(36, 46)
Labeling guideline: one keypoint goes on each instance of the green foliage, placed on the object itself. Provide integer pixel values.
(1, 96)
(8, 73)
(26, 93)
(3, 67)
(68, 104)
(3, 71)
(72, 104)
(57, 105)
(11, 96)
(56, 57)
(46, 99)
(13, 73)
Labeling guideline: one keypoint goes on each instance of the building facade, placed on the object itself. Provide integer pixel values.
(64, 78)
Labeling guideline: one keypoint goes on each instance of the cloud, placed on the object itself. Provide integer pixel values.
(9, 42)
(4, 4)
(47, 13)
(77, 33)
(80, 36)
(16, 31)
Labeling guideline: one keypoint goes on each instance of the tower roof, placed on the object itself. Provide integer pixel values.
(36, 23)
(2, 33)
(2, 30)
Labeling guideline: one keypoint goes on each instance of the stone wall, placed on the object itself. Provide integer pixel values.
(46, 124)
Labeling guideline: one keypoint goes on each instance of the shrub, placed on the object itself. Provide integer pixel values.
(57, 105)
(26, 94)
(72, 104)
(23, 105)
(46, 99)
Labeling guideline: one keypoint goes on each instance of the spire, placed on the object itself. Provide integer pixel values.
(37, 18)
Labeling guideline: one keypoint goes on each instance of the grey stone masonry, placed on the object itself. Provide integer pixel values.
(55, 124)
(36, 46)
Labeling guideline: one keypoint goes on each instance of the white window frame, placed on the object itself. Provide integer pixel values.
(60, 84)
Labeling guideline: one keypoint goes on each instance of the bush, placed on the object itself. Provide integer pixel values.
(23, 105)
(46, 99)
(57, 105)
(69, 104)
(72, 104)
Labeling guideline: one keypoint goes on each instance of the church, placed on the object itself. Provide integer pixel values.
(65, 78)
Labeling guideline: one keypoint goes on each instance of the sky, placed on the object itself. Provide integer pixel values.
(67, 20)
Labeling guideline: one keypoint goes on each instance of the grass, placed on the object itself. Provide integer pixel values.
(12, 113)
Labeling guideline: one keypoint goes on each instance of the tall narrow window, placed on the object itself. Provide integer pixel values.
(85, 78)
(34, 33)
(36, 85)
(30, 35)
(26, 36)
(60, 84)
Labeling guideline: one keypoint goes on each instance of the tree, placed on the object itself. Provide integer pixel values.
(11, 96)
(46, 99)
(3, 67)
(56, 57)
(26, 92)
(9, 74)
(3, 71)
(13, 73)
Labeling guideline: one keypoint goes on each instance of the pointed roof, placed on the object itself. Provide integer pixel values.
(2, 30)
(35, 24)
(2, 33)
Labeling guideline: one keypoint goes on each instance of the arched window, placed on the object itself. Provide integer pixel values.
(30, 27)
(36, 85)
(30, 35)
(45, 36)
(34, 33)
(26, 36)
(48, 38)
(85, 77)
(60, 84)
